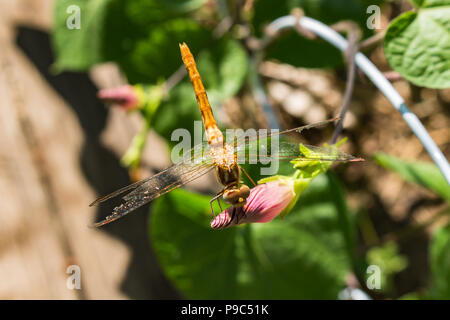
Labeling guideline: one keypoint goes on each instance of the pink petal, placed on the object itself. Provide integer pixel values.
(125, 96)
(266, 201)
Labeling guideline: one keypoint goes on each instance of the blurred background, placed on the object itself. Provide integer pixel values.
(61, 147)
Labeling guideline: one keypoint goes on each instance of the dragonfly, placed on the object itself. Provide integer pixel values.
(215, 154)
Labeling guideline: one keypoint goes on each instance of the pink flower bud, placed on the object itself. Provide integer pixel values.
(124, 96)
(266, 201)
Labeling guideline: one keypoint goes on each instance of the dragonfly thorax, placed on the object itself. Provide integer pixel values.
(214, 135)
(223, 156)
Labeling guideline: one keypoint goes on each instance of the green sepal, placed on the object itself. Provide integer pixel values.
(149, 100)
(305, 172)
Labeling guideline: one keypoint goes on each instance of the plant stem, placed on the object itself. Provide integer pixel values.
(351, 71)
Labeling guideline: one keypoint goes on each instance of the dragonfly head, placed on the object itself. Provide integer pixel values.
(237, 196)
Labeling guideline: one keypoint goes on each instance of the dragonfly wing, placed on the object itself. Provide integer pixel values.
(266, 150)
(195, 163)
(197, 155)
(167, 180)
(303, 152)
(247, 139)
(119, 192)
(325, 154)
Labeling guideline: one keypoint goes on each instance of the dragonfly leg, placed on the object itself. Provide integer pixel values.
(217, 197)
(212, 209)
(237, 218)
(233, 213)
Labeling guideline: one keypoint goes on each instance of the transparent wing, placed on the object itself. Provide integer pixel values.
(195, 163)
(269, 147)
(294, 150)
(248, 139)
(286, 151)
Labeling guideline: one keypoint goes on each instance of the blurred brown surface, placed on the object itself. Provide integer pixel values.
(57, 154)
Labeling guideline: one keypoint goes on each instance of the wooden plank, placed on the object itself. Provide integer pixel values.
(29, 247)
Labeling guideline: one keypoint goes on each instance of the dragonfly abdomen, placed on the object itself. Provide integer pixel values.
(213, 133)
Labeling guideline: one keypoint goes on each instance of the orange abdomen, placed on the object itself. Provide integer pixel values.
(212, 131)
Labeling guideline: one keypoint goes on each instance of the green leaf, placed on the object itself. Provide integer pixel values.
(142, 36)
(180, 110)
(421, 173)
(78, 49)
(440, 263)
(301, 257)
(223, 68)
(417, 44)
(157, 54)
(429, 3)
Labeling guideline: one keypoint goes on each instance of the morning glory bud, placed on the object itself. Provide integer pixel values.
(125, 96)
(266, 201)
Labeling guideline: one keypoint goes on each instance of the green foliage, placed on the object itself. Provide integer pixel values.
(78, 49)
(411, 296)
(390, 262)
(417, 3)
(440, 264)
(417, 44)
(142, 36)
(429, 3)
(421, 173)
(143, 61)
(428, 176)
(298, 50)
(304, 173)
(310, 169)
(223, 68)
(326, 11)
(179, 110)
(294, 49)
(304, 256)
(186, 5)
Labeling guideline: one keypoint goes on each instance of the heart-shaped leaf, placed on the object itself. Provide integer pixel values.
(304, 256)
(417, 44)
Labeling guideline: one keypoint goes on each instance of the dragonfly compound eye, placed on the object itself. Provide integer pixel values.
(245, 191)
(232, 196)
